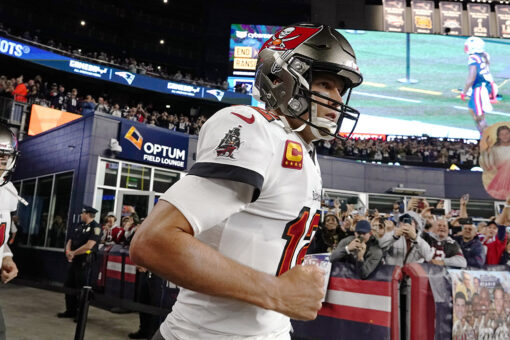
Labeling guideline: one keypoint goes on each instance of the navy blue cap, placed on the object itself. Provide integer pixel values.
(88, 209)
(363, 226)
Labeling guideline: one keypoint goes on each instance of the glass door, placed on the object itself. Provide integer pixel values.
(139, 202)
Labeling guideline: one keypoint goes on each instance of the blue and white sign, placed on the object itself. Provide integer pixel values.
(42, 57)
(153, 145)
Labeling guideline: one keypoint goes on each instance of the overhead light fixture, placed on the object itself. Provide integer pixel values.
(161, 42)
(167, 106)
(82, 22)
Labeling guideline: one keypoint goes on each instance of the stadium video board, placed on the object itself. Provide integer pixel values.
(430, 106)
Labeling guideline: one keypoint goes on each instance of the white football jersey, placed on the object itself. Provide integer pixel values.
(271, 234)
(8, 203)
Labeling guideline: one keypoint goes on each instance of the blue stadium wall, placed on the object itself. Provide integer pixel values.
(77, 145)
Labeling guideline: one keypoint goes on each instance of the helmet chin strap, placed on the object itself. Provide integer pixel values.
(321, 122)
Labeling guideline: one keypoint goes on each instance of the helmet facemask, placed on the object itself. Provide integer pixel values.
(8, 154)
(305, 101)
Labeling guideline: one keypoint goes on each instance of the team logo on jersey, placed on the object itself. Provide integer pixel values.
(134, 137)
(293, 155)
(230, 143)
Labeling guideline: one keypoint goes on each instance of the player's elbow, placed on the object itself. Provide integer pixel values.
(139, 248)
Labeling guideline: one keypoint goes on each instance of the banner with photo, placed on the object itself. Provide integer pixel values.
(495, 160)
(481, 304)
(451, 17)
(423, 16)
(394, 15)
(503, 20)
(478, 18)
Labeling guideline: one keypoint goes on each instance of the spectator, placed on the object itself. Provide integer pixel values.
(471, 246)
(495, 241)
(123, 234)
(20, 91)
(102, 106)
(362, 250)
(505, 258)
(58, 100)
(326, 237)
(115, 111)
(71, 103)
(88, 105)
(379, 226)
(404, 244)
(108, 225)
(446, 252)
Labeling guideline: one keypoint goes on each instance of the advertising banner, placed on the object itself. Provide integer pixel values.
(394, 15)
(451, 17)
(503, 20)
(152, 145)
(46, 58)
(481, 304)
(423, 16)
(478, 18)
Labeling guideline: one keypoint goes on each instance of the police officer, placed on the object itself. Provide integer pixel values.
(81, 245)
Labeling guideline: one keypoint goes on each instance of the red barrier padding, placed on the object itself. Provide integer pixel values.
(395, 312)
(422, 313)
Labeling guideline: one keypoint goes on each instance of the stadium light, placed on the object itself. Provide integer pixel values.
(82, 22)
(167, 106)
(161, 42)
(165, 1)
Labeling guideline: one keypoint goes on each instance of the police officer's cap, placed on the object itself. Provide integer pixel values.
(88, 209)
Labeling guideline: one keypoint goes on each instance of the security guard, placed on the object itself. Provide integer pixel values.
(80, 247)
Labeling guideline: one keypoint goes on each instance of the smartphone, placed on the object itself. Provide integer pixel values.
(371, 212)
(465, 197)
(437, 212)
(421, 204)
(407, 220)
(464, 221)
(343, 205)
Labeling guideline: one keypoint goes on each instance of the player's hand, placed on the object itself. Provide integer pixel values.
(301, 290)
(9, 269)
(354, 245)
(463, 96)
(70, 256)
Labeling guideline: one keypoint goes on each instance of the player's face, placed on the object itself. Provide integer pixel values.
(330, 86)
(4, 159)
(498, 301)
(460, 308)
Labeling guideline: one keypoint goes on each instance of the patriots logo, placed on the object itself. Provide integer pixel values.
(129, 77)
(217, 93)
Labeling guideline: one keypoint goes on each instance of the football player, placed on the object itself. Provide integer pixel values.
(8, 204)
(479, 81)
(233, 232)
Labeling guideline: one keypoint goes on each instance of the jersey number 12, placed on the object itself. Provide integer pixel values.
(293, 233)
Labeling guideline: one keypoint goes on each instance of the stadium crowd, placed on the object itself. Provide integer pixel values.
(35, 91)
(413, 150)
(430, 234)
(125, 62)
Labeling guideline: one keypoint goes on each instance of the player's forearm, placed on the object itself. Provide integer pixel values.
(182, 259)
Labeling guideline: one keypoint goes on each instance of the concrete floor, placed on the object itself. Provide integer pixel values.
(30, 314)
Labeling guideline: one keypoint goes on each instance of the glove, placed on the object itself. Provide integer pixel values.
(463, 96)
